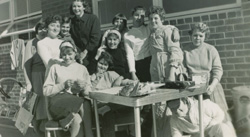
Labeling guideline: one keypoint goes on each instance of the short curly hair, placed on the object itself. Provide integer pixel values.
(107, 57)
(157, 10)
(85, 4)
(201, 27)
(52, 19)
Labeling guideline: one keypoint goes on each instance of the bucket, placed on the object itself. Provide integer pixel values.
(241, 99)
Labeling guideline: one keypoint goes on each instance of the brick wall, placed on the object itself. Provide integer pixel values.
(8, 107)
(230, 34)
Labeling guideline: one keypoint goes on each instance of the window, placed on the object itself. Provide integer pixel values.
(106, 9)
(4, 8)
(21, 17)
(26, 7)
(5, 39)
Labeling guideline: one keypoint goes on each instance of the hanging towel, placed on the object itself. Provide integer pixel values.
(17, 54)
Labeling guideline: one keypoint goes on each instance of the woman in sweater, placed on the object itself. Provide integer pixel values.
(63, 82)
(200, 58)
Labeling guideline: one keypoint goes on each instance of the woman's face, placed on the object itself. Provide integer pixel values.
(77, 8)
(102, 66)
(68, 55)
(155, 21)
(41, 33)
(53, 29)
(65, 29)
(113, 41)
(138, 17)
(119, 24)
(198, 37)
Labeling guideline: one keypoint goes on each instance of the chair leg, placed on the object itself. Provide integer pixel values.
(48, 133)
(54, 133)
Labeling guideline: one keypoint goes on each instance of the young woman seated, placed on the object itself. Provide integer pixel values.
(104, 79)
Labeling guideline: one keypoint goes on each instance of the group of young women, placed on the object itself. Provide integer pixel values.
(68, 59)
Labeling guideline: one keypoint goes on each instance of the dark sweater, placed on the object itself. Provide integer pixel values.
(120, 62)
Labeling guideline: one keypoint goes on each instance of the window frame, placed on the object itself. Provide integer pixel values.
(204, 10)
(13, 20)
(172, 15)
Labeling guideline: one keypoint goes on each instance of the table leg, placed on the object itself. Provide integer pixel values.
(96, 119)
(201, 115)
(137, 121)
(154, 121)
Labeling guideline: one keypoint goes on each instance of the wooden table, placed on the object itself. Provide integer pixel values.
(110, 96)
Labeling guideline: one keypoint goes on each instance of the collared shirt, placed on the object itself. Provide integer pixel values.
(85, 31)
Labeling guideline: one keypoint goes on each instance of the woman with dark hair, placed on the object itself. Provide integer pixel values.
(104, 79)
(120, 23)
(85, 30)
(34, 71)
(48, 48)
(65, 29)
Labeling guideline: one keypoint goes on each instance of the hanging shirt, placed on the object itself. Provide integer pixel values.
(17, 54)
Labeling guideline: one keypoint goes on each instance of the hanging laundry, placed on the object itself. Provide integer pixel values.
(17, 54)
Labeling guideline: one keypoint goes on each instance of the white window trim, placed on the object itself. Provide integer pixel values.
(203, 10)
(6, 34)
(194, 12)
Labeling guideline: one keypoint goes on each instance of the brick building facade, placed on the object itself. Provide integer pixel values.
(230, 34)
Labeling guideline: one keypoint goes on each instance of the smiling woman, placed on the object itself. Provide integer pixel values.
(48, 48)
(85, 30)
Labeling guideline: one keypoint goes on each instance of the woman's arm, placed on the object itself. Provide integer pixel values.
(176, 54)
(217, 70)
(50, 87)
(130, 57)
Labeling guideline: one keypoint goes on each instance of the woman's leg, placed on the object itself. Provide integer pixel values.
(87, 118)
(76, 129)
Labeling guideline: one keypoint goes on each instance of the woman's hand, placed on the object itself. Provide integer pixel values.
(80, 84)
(99, 52)
(175, 35)
(68, 84)
(133, 76)
(28, 87)
(83, 55)
(211, 87)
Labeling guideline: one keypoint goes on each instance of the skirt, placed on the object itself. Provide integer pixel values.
(40, 109)
(63, 104)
